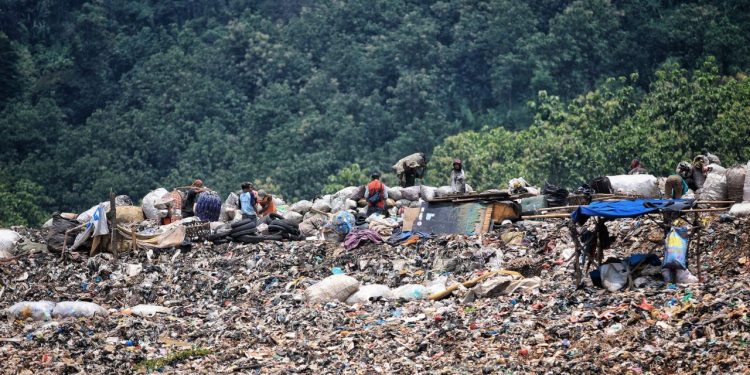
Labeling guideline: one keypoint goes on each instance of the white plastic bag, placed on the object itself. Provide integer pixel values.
(443, 191)
(332, 288)
(367, 292)
(8, 241)
(40, 310)
(740, 209)
(408, 292)
(147, 310)
(715, 187)
(150, 201)
(644, 185)
(77, 309)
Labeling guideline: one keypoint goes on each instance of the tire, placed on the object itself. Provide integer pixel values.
(247, 226)
(241, 222)
(246, 232)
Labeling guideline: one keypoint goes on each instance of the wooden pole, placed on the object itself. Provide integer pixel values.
(113, 228)
(577, 261)
(468, 284)
(546, 216)
(698, 229)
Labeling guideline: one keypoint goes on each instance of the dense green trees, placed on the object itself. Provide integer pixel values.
(598, 133)
(126, 95)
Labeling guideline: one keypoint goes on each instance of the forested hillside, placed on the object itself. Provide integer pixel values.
(296, 95)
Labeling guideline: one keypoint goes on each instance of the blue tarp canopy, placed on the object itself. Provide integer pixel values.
(628, 208)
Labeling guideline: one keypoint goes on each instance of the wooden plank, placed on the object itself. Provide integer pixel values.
(487, 220)
(410, 214)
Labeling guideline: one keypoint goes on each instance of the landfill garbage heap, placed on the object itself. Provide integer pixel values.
(245, 308)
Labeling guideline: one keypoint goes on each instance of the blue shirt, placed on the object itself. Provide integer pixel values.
(247, 202)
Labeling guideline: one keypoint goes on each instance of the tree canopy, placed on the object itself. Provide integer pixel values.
(303, 96)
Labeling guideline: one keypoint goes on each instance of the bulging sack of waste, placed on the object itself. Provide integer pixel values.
(8, 241)
(367, 293)
(427, 193)
(77, 309)
(675, 252)
(715, 187)
(740, 209)
(351, 192)
(39, 310)
(736, 182)
(394, 193)
(293, 217)
(614, 276)
(322, 204)
(130, 214)
(443, 191)
(208, 206)
(408, 292)
(343, 222)
(150, 201)
(644, 185)
(411, 193)
(332, 288)
(301, 207)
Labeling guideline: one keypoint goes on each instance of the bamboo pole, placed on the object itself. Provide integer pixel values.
(546, 216)
(468, 284)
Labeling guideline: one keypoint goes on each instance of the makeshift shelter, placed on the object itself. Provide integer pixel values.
(603, 211)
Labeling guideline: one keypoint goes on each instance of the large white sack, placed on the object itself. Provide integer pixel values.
(443, 191)
(715, 187)
(351, 192)
(77, 309)
(338, 204)
(427, 193)
(87, 215)
(302, 206)
(38, 310)
(332, 288)
(8, 241)
(746, 188)
(294, 217)
(740, 209)
(411, 193)
(322, 204)
(150, 201)
(735, 182)
(644, 185)
(394, 193)
(366, 292)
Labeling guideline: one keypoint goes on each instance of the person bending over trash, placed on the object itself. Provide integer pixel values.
(191, 197)
(247, 202)
(458, 178)
(267, 210)
(376, 194)
(678, 184)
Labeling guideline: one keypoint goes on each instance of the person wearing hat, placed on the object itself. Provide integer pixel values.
(266, 203)
(376, 194)
(458, 178)
(191, 196)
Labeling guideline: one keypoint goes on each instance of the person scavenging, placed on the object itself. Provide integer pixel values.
(376, 194)
(248, 199)
(458, 178)
(188, 207)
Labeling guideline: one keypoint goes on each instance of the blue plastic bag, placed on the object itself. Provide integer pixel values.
(343, 222)
(675, 251)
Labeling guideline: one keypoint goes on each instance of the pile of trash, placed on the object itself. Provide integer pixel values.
(500, 302)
